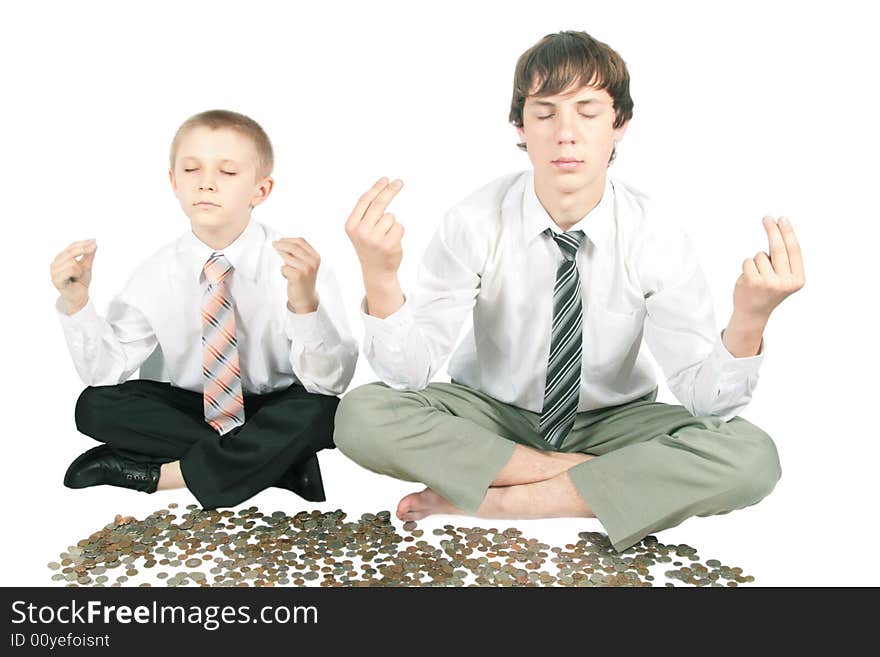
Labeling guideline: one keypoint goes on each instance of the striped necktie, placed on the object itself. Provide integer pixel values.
(563, 385)
(224, 403)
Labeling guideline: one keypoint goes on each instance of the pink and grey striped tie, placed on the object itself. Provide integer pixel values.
(224, 403)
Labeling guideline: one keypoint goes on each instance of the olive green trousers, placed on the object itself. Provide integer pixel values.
(656, 463)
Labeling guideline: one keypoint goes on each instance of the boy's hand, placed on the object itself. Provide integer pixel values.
(767, 280)
(300, 268)
(375, 234)
(72, 272)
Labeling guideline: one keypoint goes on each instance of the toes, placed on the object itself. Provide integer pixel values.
(407, 506)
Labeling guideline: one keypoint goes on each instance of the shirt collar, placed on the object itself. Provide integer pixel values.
(242, 253)
(596, 224)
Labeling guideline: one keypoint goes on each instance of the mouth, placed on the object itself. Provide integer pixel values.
(567, 163)
(206, 204)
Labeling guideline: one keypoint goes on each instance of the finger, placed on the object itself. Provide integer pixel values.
(395, 235)
(291, 271)
(778, 253)
(750, 269)
(303, 242)
(81, 248)
(384, 224)
(792, 247)
(377, 207)
(762, 262)
(75, 249)
(87, 260)
(296, 262)
(296, 244)
(58, 268)
(290, 260)
(364, 202)
(68, 274)
(60, 261)
(298, 251)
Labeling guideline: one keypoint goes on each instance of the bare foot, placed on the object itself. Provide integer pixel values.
(416, 506)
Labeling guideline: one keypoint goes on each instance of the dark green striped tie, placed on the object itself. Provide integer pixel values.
(564, 368)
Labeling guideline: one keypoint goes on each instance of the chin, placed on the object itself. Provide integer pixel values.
(571, 183)
(208, 223)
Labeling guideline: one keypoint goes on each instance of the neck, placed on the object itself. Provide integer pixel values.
(566, 208)
(222, 236)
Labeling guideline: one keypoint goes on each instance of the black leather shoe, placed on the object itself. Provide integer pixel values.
(304, 479)
(101, 465)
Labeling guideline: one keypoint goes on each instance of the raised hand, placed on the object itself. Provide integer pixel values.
(300, 268)
(768, 279)
(375, 234)
(71, 273)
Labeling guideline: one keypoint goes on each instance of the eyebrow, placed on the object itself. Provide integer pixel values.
(547, 103)
(193, 157)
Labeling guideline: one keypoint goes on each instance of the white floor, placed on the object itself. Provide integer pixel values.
(775, 551)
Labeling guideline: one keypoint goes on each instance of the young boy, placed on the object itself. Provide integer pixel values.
(250, 327)
(551, 411)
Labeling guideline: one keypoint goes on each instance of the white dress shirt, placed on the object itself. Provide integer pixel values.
(161, 305)
(639, 277)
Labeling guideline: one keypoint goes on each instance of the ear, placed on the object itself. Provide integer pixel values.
(521, 133)
(264, 188)
(173, 180)
(619, 132)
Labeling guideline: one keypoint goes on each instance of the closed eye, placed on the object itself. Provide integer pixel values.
(550, 116)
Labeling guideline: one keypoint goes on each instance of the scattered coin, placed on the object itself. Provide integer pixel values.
(311, 548)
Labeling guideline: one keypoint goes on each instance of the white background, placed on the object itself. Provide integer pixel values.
(758, 108)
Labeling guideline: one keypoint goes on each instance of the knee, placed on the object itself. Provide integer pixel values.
(356, 421)
(88, 414)
(757, 472)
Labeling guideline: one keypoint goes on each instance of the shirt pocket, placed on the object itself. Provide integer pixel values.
(612, 340)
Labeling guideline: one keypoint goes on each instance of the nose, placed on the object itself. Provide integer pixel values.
(565, 128)
(207, 183)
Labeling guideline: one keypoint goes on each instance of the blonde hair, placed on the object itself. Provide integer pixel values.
(245, 125)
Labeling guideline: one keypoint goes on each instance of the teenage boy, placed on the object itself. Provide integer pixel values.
(551, 411)
(252, 333)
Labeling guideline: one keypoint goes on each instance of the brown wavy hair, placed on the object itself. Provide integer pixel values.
(571, 59)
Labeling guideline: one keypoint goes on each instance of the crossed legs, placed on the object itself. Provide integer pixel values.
(639, 467)
(533, 484)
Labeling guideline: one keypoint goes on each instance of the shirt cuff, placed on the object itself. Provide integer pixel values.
(392, 329)
(81, 319)
(313, 327)
(727, 362)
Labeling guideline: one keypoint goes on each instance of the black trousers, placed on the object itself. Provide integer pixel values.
(152, 421)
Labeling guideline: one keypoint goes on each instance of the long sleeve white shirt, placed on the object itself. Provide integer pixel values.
(640, 277)
(161, 305)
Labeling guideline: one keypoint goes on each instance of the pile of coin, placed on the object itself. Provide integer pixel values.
(249, 548)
